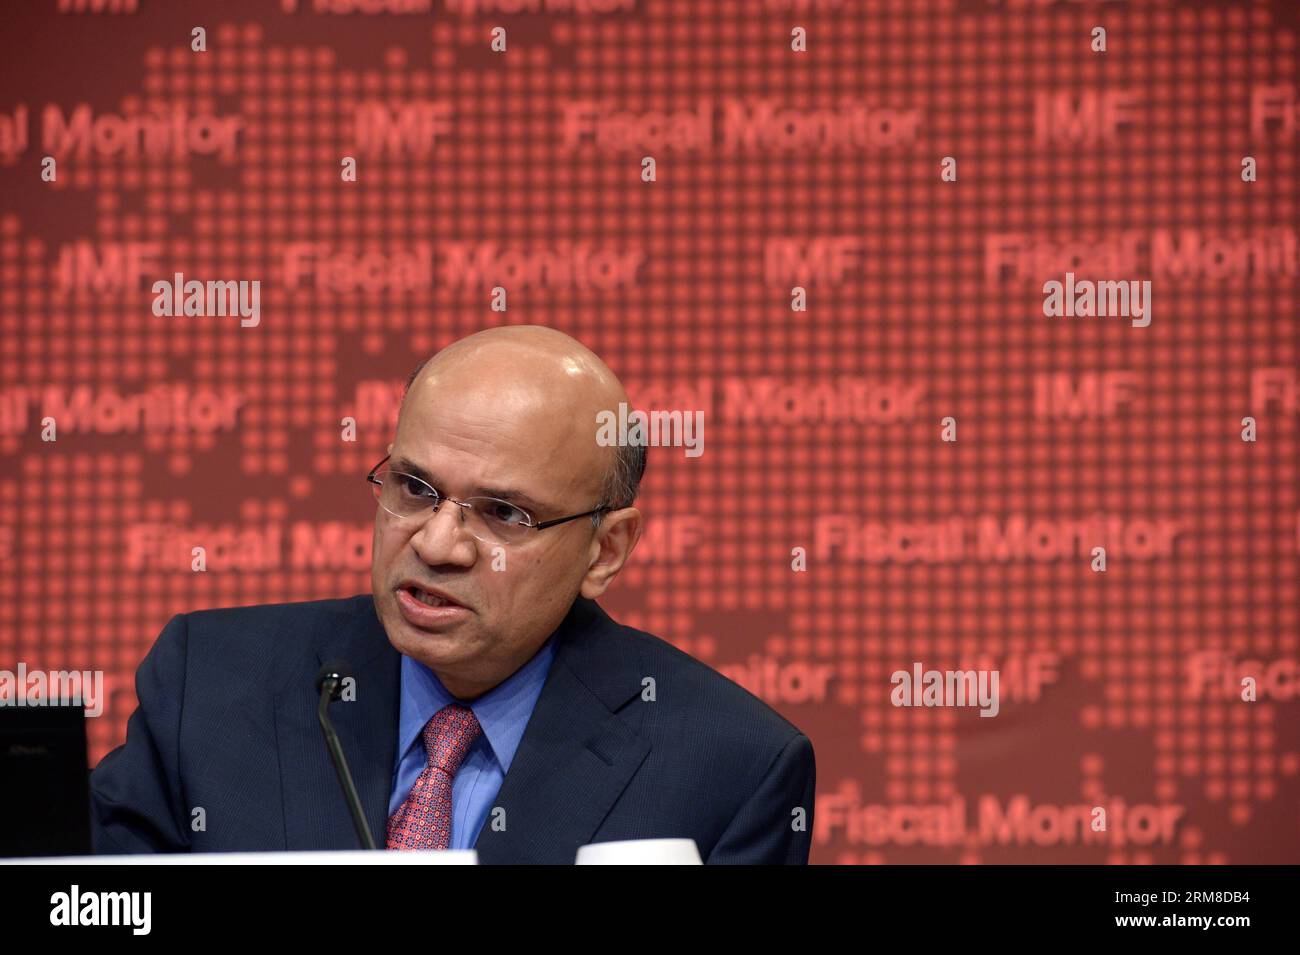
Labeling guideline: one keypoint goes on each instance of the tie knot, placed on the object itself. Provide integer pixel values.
(448, 736)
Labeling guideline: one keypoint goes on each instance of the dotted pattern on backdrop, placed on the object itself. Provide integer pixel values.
(1117, 722)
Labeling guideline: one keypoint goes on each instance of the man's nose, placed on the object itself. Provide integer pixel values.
(443, 538)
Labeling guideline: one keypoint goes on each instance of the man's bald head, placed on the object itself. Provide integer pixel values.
(576, 381)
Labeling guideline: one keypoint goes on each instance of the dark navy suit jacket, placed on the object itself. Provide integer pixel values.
(226, 723)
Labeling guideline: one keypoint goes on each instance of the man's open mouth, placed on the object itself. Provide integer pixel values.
(430, 600)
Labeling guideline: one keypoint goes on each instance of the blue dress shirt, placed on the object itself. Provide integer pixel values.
(503, 713)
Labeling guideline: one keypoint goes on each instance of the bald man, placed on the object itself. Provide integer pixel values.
(485, 699)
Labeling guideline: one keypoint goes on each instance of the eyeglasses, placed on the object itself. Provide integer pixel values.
(490, 519)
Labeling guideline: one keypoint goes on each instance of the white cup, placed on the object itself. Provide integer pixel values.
(640, 852)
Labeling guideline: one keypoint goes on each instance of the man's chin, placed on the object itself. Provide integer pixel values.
(408, 631)
(447, 643)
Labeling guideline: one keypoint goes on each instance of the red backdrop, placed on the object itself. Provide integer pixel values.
(832, 532)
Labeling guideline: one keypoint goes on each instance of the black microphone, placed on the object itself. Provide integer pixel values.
(329, 681)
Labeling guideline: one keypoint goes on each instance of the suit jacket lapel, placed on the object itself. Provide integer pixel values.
(576, 756)
(315, 813)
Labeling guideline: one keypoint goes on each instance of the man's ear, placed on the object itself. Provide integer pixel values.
(610, 548)
(390, 448)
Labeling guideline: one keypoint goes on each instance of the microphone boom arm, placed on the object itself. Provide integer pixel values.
(329, 686)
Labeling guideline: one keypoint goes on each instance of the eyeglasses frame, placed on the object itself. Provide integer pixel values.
(540, 526)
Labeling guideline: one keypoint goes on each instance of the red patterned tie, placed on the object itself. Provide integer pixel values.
(423, 821)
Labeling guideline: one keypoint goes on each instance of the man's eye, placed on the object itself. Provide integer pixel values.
(410, 487)
(503, 513)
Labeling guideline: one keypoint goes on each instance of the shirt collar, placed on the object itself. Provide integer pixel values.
(502, 711)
